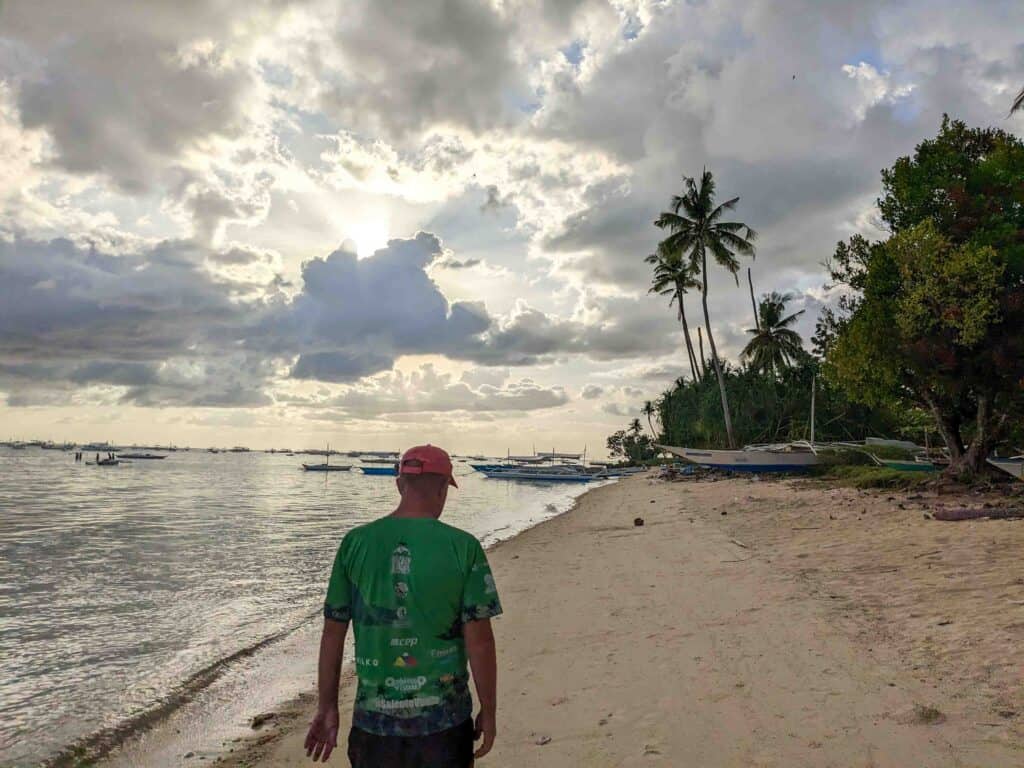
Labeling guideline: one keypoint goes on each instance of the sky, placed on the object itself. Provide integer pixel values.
(370, 223)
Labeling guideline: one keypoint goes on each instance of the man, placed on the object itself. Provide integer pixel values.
(420, 596)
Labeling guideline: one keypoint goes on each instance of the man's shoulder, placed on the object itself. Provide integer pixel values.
(465, 538)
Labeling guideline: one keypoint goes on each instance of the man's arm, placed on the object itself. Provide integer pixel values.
(323, 731)
(483, 661)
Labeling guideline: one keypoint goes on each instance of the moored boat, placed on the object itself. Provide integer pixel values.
(1012, 466)
(390, 471)
(151, 456)
(327, 467)
(782, 457)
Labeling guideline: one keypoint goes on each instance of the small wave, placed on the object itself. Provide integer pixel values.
(98, 745)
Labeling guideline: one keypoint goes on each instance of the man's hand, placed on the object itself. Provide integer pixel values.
(486, 728)
(323, 734)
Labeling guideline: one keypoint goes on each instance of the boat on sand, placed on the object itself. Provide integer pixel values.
(797, 456)
(1012, 466)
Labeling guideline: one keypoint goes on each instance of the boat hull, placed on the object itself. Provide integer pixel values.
(1014, 467)
(537, 477)
(326, 468)
(385, 471)
(747, 461)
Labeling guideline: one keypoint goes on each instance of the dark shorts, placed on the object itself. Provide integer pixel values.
(452, 748)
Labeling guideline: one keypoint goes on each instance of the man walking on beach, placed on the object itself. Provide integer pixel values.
(420, 596)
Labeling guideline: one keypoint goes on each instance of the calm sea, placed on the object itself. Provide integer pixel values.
(131, 593)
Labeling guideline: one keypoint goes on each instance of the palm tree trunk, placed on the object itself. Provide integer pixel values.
(703, 360)
(753, 301)
(649, 424)
(714, 354)
(686, 336)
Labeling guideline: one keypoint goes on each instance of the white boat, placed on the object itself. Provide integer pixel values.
(781, 457)
(565, 474)
(1012, 466)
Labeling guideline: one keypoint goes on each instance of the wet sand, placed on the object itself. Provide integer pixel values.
(746, 623)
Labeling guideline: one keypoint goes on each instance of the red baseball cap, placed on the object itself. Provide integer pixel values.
(427, 459)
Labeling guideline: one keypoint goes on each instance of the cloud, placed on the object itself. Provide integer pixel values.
(591, 392)
(426, 390)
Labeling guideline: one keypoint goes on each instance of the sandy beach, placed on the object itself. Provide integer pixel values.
(746, 623)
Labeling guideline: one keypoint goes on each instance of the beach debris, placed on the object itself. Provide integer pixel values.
(558, 700)
(638, 521)
(540, 741)
(927, 715)
(739, 543)
(258, 721)
(187, 755)
(966, 513)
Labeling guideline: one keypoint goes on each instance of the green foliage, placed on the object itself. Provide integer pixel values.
(864, 476)
(934, 314)
(632, 444)
(775, 345)
(768, 408)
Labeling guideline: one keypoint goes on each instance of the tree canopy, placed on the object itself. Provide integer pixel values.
(934, 313)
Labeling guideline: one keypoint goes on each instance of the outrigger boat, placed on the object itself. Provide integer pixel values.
(1012, 466)
(797, 456)
(390, 471)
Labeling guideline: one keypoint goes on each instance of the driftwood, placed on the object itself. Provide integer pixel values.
(952, 515)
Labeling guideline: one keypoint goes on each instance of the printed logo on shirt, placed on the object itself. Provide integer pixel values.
(401, 590)
(382, 704)
(447, 679)
(443, 653)
(406, 660)
(404, 642)
(489, 587)
(401, 560)
(366, 661)
(406, 684)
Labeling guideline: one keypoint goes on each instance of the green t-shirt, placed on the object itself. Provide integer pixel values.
(408, 585)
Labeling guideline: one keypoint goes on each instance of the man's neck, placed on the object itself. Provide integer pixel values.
(415, 508)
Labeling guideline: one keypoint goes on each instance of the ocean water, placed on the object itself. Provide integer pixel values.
(131, 595)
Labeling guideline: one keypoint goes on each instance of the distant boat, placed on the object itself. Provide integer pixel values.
(390, 471)
(782, 457)
(376, 460)
(1012, 466)
(906, 465)
(327, 467)
(104, 463)
(141, 456)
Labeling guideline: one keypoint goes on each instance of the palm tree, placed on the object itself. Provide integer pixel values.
(635, 427)
(697, 228)
(1018, 103)
(774, 345)
(648, 411)
(673, 277)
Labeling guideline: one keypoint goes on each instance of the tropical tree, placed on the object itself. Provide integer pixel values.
(775, 345)
(674, 277)
(648, 410)
(635, 428)
(697, 229)
(934, 312)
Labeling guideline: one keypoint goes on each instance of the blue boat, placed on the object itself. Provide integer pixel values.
(389, 471)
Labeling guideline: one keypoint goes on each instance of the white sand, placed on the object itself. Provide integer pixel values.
(815, 644)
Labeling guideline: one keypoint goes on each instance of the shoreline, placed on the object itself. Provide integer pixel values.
(746, 623)
(166, 732)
